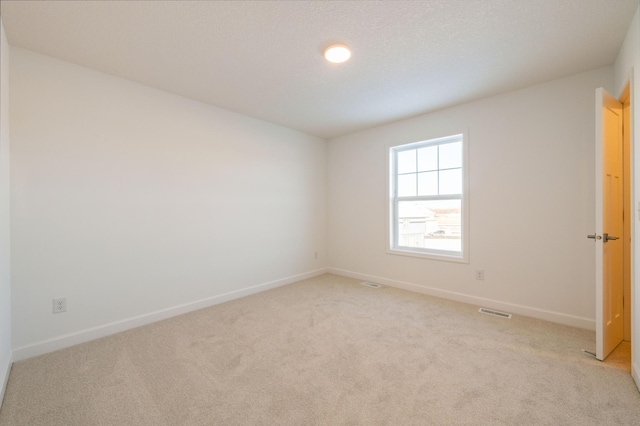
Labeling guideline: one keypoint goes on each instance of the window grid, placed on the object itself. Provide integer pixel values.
(437, 170)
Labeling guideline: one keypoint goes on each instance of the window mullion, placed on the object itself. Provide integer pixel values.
(438, 165)
(430, 197)
(417, 190)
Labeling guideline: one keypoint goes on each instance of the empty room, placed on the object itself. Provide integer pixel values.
(320, 212)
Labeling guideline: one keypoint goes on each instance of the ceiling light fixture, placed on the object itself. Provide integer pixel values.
(337, 53)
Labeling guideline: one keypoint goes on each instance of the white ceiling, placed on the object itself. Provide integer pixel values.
(264, 58)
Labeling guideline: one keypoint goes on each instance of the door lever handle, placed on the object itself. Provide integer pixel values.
(606, 237)
(594, 236)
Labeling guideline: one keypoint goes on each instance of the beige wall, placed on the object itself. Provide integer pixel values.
(5, 256)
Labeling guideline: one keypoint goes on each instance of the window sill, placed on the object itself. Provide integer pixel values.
(429, 255)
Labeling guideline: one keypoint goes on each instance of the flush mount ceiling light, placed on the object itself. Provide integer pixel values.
(337, 53)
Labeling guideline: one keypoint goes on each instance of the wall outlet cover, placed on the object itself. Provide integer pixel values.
(60, 305)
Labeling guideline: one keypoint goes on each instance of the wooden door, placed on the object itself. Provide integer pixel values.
(609, 223)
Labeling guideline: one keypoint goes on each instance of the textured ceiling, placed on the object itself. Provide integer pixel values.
(264, 58)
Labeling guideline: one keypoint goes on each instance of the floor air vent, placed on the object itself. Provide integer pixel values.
(372, 285)
(494, 313)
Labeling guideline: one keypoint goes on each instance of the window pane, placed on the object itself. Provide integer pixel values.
(451, 182)
(451, 155)
(434, 224)
(407, 161)
(428, 183)
(407, 185)
(428, 159)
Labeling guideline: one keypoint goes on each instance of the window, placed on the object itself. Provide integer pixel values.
(427, 183)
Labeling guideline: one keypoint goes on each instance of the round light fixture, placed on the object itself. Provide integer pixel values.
(337, 53)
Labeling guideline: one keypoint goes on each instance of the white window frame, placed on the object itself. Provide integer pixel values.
(393, 246)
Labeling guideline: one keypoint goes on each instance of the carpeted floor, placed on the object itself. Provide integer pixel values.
(327, 351)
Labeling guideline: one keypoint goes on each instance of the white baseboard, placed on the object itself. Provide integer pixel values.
(528, 311)
(4, 377)
(87, 335)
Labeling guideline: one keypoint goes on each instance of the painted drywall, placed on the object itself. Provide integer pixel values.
(628, 57)
(5, 255)
(531, 165)
(130, 201)
(627, 67)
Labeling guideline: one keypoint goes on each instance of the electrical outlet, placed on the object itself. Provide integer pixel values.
(480, 274)
(60, 305)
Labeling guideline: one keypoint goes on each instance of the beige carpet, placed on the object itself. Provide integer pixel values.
(327, 351)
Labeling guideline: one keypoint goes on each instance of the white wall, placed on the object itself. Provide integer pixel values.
(5, 283)
(531, 156)
(129, 201)
(627, 66)
(628, 57)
